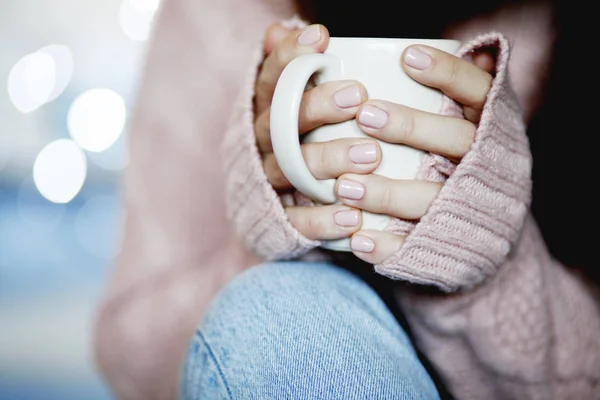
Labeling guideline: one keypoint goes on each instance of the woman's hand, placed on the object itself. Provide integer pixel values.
(327, 103)
(465, 82)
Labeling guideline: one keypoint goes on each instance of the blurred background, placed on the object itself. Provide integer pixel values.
(68, 70)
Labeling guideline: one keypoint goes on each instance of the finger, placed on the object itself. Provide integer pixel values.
(408, 199)
(313, 38)
(395, 123)
(485, 61)
(374, 246)
(327, 160)
(325, 222)
(327, 103)
(275, 34)
(457, 78)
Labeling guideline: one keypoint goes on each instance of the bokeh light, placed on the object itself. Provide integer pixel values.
(68, 72)
(60, 170)
(136, 17)
(146, 5)
(96, 119)
(31, 81)
(63, 60)
(40, 77)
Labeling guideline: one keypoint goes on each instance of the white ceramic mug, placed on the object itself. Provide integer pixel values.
(374, 62)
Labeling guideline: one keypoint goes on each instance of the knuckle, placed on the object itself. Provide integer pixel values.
(328, 158)
(324, 160)
(386, 199)
(316, 106)
(406, 126)
(453, 73)
(320, 159)
(314, 224)
(310, 108)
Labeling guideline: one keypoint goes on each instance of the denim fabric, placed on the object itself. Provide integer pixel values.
(297, 330)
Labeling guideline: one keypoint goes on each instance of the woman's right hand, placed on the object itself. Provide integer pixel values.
(329, 102)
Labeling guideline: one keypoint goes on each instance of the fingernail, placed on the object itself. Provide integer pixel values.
(363, 154)
(351, 190)
(311, 35)
(372, 117)
(348, 97)
(417, 59)
(362, 244)
(346, 218)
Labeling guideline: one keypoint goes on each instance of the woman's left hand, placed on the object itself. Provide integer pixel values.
(465, 82)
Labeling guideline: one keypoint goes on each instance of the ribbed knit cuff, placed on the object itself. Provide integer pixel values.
(253, 206)
(473, 224)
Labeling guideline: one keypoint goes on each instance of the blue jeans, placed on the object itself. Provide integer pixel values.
(301, 331)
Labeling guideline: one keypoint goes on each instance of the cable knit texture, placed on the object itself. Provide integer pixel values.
(476, 219)
(529, 332)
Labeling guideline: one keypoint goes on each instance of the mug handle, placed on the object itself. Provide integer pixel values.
(285, 138)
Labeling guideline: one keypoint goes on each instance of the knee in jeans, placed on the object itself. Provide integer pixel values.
(269, 284)
(293, 294)
(307, 326)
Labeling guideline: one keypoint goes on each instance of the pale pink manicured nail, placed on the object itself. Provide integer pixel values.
(346, 218)
(372, 117)
(417, 59)
(363, 154)
(351, 190)
(362, 244)
(348, 97)
(311, 35)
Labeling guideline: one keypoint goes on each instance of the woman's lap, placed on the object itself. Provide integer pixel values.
(299, 330)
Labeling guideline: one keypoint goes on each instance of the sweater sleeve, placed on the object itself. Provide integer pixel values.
(476, 220)
(510, 322)
(253, 206)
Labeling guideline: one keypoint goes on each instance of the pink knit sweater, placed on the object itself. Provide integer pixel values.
(506, 321)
